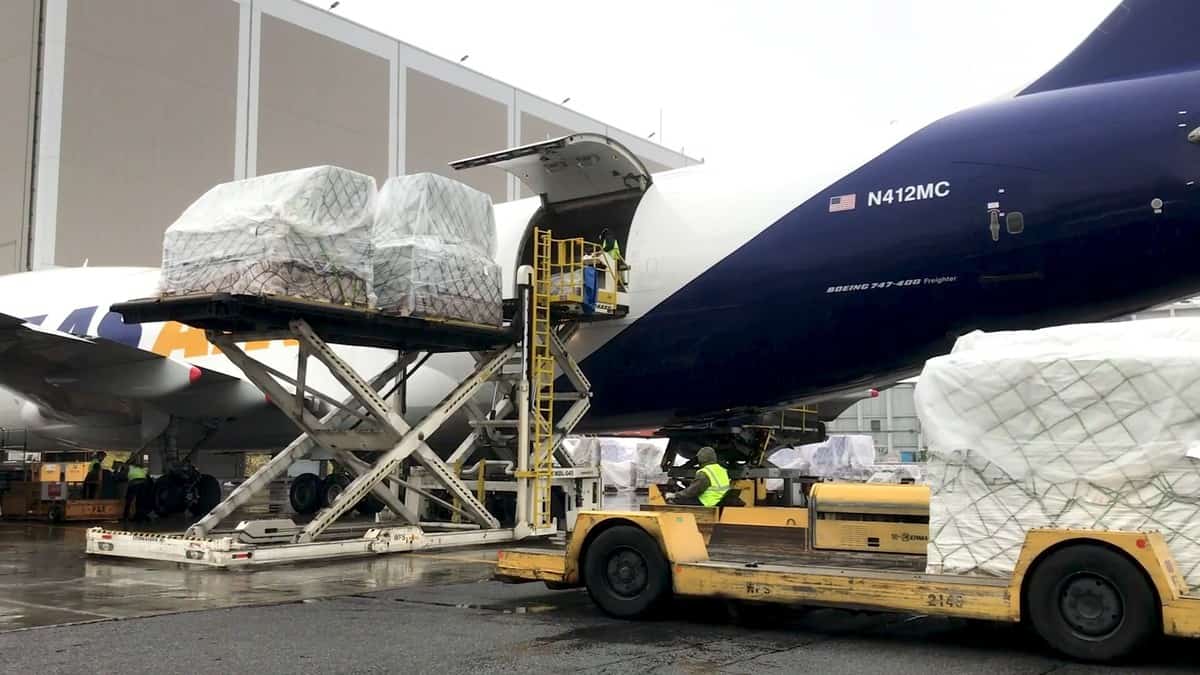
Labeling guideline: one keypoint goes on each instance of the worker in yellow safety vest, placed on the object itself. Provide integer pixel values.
(611, 246)
(136, 490)
(711, 486)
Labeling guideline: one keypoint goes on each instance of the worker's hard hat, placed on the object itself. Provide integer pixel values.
(706, 456)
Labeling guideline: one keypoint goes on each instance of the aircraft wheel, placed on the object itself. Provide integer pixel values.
(626, 573)
(333, 486)
(305, 493)
(1092, 603)
(169, 495)
(208, 494)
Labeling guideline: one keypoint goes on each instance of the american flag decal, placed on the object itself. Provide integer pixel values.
(841, 203)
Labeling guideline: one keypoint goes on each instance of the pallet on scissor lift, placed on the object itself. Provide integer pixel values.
(335, 323)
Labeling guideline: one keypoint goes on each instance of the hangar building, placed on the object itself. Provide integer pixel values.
(115, 115)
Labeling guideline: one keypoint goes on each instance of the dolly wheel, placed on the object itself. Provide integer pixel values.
(305, 493)
(1092, 603)
(626, 573)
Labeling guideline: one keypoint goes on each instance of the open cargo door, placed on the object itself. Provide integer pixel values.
(570, 168)
(590, 187)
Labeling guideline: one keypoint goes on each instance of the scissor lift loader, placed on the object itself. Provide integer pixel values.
(525, 357)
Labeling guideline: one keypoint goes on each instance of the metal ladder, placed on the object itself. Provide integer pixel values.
(542, 381)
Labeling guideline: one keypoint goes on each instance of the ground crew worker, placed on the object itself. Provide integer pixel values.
(95, 476)
(711, 485)
(611, 246)
(139, 482)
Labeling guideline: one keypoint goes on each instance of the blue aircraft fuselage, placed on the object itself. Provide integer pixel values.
(1068, 205)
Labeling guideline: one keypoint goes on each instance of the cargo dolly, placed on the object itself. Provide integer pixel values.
(1093, 595)
(525, 359)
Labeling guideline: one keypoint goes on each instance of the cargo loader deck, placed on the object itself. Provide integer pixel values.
(387, 456)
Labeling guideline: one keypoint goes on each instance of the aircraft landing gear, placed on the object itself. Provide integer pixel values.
(305, 493)
(746, 446)
(309, 494)
(184, 488)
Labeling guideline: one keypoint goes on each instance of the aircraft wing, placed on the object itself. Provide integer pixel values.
(73, 375)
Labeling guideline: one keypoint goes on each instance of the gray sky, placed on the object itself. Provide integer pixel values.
(739, 80)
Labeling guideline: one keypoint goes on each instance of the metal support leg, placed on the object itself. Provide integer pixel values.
(413, 443)
(368, 397)
(278, 465)
(363, 395)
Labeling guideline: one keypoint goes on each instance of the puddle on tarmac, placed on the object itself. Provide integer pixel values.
(45, 566)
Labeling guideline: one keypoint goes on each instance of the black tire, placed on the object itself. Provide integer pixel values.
(57, 514)
(1092, 604)
(305, 493)
(332, 487)
(626, 573)
(503, 505)
(208, 494)
(170, 495)
(369, 506)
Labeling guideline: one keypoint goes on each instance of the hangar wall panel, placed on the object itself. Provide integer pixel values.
(444, 122)
(148, 103)
(148, 122)
(534, 129)
(320, 101)
(18, 56)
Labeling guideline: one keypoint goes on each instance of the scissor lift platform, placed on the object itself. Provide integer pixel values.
(338, 324)
(517, 358)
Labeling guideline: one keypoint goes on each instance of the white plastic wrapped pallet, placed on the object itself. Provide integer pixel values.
(303, 233)
(625, 463)
(844, 456)
(434, 243)
(1090, 426)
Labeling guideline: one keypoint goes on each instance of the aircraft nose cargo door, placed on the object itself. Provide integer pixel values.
(590, 187)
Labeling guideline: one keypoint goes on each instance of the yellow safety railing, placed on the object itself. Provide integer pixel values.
(542, 362)
(568, 260)
(566, 267)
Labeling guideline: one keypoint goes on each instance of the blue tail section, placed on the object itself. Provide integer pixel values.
(1139, 38)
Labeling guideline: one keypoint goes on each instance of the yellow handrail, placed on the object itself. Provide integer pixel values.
(542, 464)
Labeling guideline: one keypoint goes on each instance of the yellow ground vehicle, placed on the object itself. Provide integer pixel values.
(1092, 595)
(58, 491)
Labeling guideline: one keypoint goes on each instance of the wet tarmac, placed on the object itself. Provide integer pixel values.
(61, 611)
(46, 579)
(481, 626)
